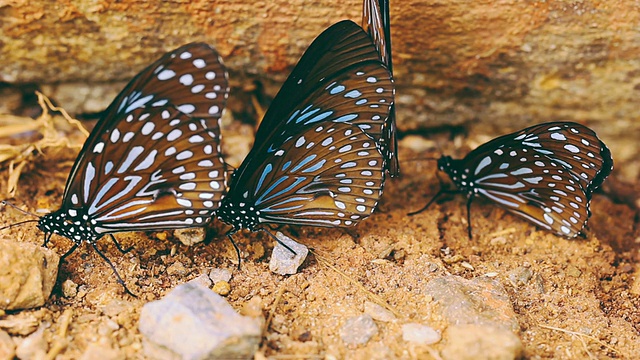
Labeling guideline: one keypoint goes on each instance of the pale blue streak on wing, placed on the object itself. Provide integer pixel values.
(283, 191)
(319, 117)
(345, 118)
(306, 115)
(270, 189)
(304, 162)
(315, 167)
(265, 172)
(286, 165)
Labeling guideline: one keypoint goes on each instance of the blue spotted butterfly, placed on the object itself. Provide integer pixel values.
(316, 160)
(153, 161)
(545, 173)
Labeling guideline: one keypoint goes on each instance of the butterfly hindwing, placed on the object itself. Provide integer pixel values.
(159, 168)
(534, 187)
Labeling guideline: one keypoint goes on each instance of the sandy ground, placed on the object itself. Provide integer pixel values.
(588, 289)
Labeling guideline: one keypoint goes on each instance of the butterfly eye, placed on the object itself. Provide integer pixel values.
(545, 173)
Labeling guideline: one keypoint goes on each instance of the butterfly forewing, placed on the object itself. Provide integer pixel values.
(340, 46)
(159, 168)
(534, 187)
(572, 145)
(321, 164)
(191, 79)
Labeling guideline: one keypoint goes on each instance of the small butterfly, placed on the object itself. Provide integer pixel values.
(316, 160)
(545, 173)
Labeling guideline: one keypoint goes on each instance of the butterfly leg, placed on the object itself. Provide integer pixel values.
(124, 251)
(280, 242)
(69, 252)
(469, 200)
(120, 281)
(47, 237)
(235, 246)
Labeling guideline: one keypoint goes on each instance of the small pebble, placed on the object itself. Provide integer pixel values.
(252, 308)
(222, 288)
(378, 312)
(203, 280)
(420, 334)
(100, 352)
(177, 268)
(481, 301)
(7, 347)
(193, 322)
(33, 346)
(20, 324)
(477, 342)
(218, 274)
(358, 330)
(27, 275)
(69, 289)
(283, 262)
(190, 236)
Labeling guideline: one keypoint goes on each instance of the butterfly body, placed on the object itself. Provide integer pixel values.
(317, 159)
(545, 173)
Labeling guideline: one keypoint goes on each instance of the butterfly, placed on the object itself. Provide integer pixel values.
(153, 161)
(375, 21)
(316, 159)
(545, 174)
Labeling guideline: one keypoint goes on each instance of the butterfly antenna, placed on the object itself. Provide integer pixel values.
(16, 224)
(120, 281)
(440, 192)
(235, 246)
(6, 203)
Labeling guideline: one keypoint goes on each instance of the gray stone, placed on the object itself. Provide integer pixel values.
(218, 274)
(283, 262)
(190, 236)
(7, 347)
(193, 322)
(27, 275)
(358, 330)
(478, 342)
(480, 301)
(203, 280)
(378, 312)
(420, 334)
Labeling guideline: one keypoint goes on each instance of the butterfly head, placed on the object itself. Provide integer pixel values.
(71, 224)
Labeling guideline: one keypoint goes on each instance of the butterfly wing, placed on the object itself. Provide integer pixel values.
(532, 186)
(572, 145)
(154, 160)
(340, 46)
(191, 78)
(375, 21)
(320, 165)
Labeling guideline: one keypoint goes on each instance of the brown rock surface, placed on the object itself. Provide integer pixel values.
(27, 274)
